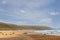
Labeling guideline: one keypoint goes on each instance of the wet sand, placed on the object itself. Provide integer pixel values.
(44, 37)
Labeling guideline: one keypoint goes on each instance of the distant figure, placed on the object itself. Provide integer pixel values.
(51, 32)
(44, 34)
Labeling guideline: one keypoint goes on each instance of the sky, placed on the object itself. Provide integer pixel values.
(30, 12)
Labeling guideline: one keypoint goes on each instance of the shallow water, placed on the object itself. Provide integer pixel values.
(48, 32)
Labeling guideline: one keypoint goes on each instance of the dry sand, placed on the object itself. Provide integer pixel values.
(9, 34)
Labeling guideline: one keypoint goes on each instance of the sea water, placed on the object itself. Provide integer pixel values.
(48, 32)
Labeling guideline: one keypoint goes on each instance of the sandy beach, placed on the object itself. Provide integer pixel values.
(32, 37)
(16, 35)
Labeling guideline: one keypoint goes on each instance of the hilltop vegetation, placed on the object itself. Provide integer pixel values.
(4, 26)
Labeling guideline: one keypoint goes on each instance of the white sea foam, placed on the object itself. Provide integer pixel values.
(48, 32)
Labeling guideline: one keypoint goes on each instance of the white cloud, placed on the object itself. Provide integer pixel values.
(30, 3)
(22, 11)
(27, 14)
(39, 3)
(54, 13)
(21, 23)
(46, 20)
(4, 2)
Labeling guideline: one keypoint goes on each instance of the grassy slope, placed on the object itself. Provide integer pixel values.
(4, 26)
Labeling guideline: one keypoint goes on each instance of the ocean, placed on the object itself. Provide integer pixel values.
(48, 32)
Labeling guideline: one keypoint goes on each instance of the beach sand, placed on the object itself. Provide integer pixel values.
(20, 36)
